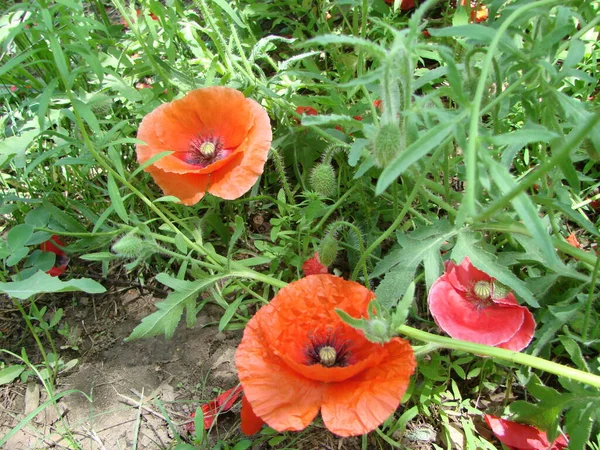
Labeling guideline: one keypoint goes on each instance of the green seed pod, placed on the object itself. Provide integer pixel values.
(388, 144)
(130, 246)
(328, 249)
(323, 180)
(378, 331)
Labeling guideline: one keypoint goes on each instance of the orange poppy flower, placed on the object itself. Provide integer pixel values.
(219, 139)
(298, 357)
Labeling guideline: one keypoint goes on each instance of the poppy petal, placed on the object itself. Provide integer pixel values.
(251, 423)
(360, 404)
(462, 319)
(465, 275)
(284, 399)
(517, 435)
(247, 164)
(188, 188)
(523, 337)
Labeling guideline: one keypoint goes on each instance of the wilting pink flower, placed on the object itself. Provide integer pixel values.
(468, 304)
(313, 266)
(517, 436)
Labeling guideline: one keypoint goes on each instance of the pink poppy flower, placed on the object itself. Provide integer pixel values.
(517, 436)
(313, 266)
(467, 304)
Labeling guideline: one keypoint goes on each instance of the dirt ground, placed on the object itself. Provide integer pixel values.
(134, 389)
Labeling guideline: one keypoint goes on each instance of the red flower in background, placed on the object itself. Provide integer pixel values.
(377, 103)
(479, 13)
(138, 13)
(313, 266)
(404, 4)
(465, 303)
(307, 111)
(517, 436)
(297, 357)
(213, 408)
(62, 259)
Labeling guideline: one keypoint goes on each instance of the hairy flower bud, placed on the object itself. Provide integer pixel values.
(131, 246)
(388, 144)
(328, 249)
(377, 331)
(322, 180)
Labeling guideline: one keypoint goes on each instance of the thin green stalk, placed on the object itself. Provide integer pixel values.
(19, 306)
(505, 355)
(333, 207)
(279, 166)
(471, 150)
(361, 244)
(588, 308)
(573, 140)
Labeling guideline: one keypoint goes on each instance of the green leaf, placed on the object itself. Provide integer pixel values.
(230, 12)
(116, 199)
(10, 373)
(466, 245)
(393, 285)
(165, 320)
(356, 150)
(16, 256)
(417, 150)
(16, 145)
(237, 233)
(526, 211)
(528, 134)
(19, 235)
(401, 313)
(329, 39)
(229, 312)
(41, 282)
(329, 119)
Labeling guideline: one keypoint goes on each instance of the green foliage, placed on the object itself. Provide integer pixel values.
(485, 144)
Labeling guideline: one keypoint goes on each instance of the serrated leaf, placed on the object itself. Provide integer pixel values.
(165, 320)
(41, 282)
(466, 245)
(526, 211)
(393, 285)
(401, 313)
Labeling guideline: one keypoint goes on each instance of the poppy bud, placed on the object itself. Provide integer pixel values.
(130, 246)
(322, 180)
(328, 250)
(388, 144)
(499, 290)
(377, 331)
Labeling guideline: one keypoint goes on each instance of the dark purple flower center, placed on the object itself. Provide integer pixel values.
(328, 350)
(204, 150)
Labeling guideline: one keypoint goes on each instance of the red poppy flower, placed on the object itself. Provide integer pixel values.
(313, 266)
(219, 139)
(404, 4)
(377, 103)
(298, 357)
(572, 239)
(138, 13)
(465, 303)
(213, 408)
(479, 13)
(307, 110)
(517, 436)
(61, 260)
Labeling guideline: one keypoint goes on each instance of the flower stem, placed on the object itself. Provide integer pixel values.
(500, 353)
(278, 160)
